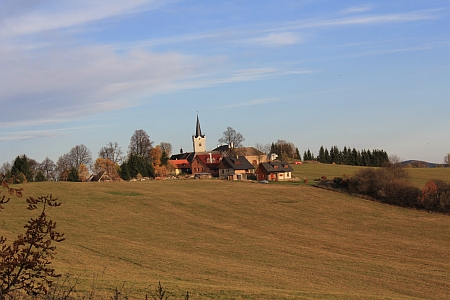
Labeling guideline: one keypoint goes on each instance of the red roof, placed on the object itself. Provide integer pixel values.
(210, 159)
(180, 163)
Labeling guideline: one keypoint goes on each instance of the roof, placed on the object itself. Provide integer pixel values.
(276, 167)
(245, 151)
(205, 158)
(237, 163)
(180, 163)
(249, 151)
(198, 130)
(189, 156)
(221, 148)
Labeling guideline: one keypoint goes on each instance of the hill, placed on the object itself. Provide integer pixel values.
(236, 240)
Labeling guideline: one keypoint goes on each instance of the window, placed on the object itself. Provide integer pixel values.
(238, 162)
(275, 167)
(286, 166)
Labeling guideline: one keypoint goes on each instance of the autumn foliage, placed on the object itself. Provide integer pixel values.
(25, 265)
(390, 185)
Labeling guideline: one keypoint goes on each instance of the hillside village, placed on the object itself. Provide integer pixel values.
(227, 162)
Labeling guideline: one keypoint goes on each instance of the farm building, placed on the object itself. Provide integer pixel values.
(253, 155)
(235, 168)
(180, 166)
(274, 171)
(206, 163)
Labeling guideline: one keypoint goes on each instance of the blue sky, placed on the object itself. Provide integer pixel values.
(369, 75)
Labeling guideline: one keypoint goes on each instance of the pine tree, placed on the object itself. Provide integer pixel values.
(21, 169)
(73, 175)
(321, 156)
(40, 177)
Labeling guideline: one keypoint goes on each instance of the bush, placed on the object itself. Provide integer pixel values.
(25, 264)
(373, 181)
(400, 192)
(436, 196)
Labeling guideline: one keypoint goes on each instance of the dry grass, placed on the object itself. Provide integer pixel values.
(418, 176)
(225, 240)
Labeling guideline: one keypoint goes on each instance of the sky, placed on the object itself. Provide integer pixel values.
(365, 75)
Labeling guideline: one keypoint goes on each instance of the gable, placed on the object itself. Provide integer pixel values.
(275, 167)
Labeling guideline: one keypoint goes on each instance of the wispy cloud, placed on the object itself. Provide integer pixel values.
(69, 14)
(278, 39)
(358, 9)
(38, 134)
(362, 20)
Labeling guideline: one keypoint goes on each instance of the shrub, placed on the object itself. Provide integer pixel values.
(25, 264)
(436, 196)
(373, 181)
(400, 192)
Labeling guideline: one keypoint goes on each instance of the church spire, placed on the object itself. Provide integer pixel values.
(199, 139)
(198, 130)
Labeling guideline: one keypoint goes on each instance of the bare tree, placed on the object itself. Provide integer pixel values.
(232, 138)
(80, 154)
(284, 149)
(34, 166)
(63, 166)
(5, 168)
(166, 147)
(262, 150)
(47, 167)
(394, 159)
(112, 151)
(447, 159)
(140, 144)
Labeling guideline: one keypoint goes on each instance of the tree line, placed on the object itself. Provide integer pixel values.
(142, 160)
(348, 156)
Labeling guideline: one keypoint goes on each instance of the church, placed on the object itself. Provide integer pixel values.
(188, 162)
(202, 163)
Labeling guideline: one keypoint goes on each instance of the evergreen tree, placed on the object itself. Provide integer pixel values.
(125, 171)
(164, 158)
(21, 169)
(321, 155)
(327, 157)
(297, 154)
(40, 177)
(136, 165)
(356, 157)
(73, 175)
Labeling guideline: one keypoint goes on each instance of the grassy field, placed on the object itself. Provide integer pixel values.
(418, 176)
(236, 240)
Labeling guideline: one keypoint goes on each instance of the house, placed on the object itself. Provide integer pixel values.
(206, 163)
(253, 155)
(275, 171)
(101, 176)
(235, 168)
(180, 166)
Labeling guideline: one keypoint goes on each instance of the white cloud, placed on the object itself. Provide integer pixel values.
(67, 83)
(62, 15)
(278, 39)
(358, 9)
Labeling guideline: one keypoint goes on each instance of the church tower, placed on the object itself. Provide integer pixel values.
(199, 139)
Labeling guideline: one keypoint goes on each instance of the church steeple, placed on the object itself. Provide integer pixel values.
(198, 130)
(199, 139)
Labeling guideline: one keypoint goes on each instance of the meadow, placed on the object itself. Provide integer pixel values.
(241, 240)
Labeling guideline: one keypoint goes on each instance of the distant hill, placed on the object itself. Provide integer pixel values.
(421, 164)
